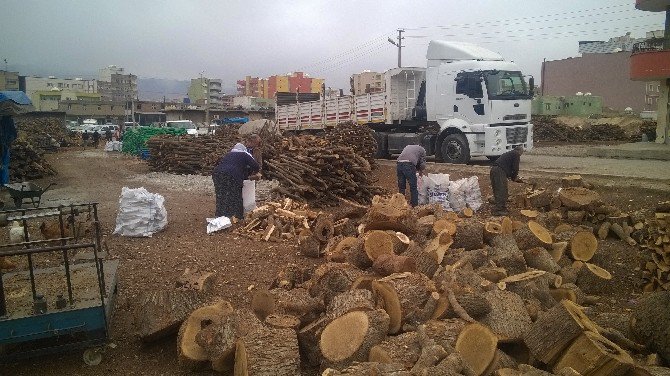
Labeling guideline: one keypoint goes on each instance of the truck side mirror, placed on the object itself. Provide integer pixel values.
(531, 84)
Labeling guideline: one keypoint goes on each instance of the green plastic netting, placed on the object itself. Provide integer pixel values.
(135, 139)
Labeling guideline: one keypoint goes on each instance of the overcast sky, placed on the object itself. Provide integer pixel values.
(329, 39)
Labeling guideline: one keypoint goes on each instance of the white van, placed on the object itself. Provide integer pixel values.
(190, 126)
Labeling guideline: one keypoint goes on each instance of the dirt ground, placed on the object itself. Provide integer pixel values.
(151, 263)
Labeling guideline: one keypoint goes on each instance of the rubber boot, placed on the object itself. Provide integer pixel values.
(6, 263)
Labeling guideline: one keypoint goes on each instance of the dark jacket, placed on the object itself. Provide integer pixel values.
(509, 162)
(238, 165)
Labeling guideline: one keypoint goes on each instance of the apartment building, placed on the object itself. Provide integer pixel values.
(9, 81)
(296, 82)
(367, 82)
(116, 85)
(205, 91)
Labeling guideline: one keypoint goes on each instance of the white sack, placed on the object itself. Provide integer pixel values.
(249, 195)
(473, 195)
(218, 223)
(113, 146)
(457, 195)
(141, 213)
(437, 188)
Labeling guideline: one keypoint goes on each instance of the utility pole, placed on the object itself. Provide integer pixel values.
(399, 45)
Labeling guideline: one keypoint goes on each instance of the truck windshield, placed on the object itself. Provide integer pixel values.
(506, 85)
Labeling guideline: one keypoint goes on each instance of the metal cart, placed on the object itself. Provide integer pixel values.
(65, 305)
(26, 191)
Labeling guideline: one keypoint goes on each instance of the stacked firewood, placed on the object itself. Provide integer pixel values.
(654, 237)
(359, 137)
(546, 128)
(45, 131)
(27, 162)
(186, 154)
(421, 292)
(312, 169)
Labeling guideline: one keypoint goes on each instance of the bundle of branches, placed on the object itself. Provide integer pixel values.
(27, 162)
(187, 154)
(359, 137)
(312, 169)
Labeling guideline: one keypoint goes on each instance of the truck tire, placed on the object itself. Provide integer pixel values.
(455, 149)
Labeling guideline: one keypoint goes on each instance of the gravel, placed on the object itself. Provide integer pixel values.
(181, 183)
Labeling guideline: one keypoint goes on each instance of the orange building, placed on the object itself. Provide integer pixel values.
(267, 87)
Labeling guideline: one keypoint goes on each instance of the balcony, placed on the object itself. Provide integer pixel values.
(650, 60)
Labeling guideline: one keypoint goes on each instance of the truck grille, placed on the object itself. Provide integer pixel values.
(517, 135)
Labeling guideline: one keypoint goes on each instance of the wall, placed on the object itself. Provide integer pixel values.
(9, 80)
(362, 80)
(605, 75)
(101, 110)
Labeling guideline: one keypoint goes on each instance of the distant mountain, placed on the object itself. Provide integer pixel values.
(154, 89)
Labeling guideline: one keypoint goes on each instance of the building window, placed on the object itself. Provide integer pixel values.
(139, 106)
(99, 108)
(69, 106)
(658, 88)
(650, 87)
(547, 106)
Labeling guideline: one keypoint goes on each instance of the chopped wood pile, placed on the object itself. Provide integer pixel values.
(547, 129)
(418, 291)
(27, 162)
(317, 170)
(654, 237)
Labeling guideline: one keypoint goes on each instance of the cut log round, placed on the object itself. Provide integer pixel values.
(469, 235)
(160, 313)
(539, 258)
(477, 345)
(350, 337)
(505, 253)
(597, 270)
(340, 251)
(265, 351)
(444, 224)
(390, 213)
(508, 318)
(400, 241)
(583, 245)
(554, 330)
(507, 225)
(468, 212)
(558, 250)
(191, 355)
(351, 300)
(533, 235)
(593, 354)
(650, 323)
(403, 295)
(402, 349)
(377, 243)
(491, 230)
(392, 263)
(263, 303)
(323, 228)
(424, 261)
(331, 279)
(309, 244)
(579, 198)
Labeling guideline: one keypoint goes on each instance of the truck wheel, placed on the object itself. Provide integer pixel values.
(455, 149)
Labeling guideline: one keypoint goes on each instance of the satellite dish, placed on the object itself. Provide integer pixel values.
(579, 93)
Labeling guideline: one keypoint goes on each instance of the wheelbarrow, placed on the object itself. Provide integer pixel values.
(19, 192)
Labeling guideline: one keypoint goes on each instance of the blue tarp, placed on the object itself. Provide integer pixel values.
(17, 97)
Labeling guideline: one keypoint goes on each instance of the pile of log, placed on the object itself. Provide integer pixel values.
(654, 237)
(45, 132)
(314, 170)
(27, 162)
(317, 170)
(547, 129)
(421, 291)
(358, 137)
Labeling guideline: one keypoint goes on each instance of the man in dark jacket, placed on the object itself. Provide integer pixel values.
(505, 167)
(229, 175)
(96, 138)
(411, 160)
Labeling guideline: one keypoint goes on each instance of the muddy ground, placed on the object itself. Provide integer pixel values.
(151, 263)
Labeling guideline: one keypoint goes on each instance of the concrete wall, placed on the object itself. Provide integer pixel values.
(9, 80)
(375, 80)
(605, 75)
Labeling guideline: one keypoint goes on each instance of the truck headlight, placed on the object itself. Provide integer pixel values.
(497, 133)
(498, 141)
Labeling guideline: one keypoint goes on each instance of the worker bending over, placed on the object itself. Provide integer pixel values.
(411, 160)
(505, 167)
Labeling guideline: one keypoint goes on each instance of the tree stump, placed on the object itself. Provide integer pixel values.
(508, 318)
(160, 313)
(403, 295)
(505, 253)
(401, 349)
(477, 345)
(532, 235)
(267, 351)
(593, 354)
(650, 323)
(554, 330)
(191, 355)
(350, 337)
(469, 235)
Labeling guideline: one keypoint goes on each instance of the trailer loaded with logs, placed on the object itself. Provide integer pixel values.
(415, 291)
